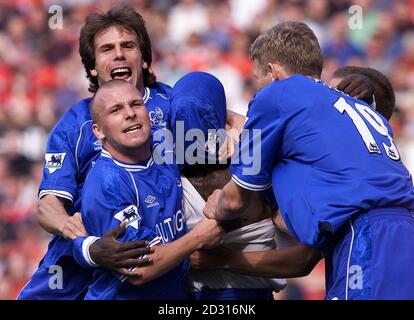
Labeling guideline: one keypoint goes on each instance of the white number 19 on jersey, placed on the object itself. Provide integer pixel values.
(375, 121)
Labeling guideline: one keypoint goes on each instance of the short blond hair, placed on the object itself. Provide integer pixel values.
(293, 45)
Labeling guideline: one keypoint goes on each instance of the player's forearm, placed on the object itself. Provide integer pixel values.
(232, 202)
(295, 261)
(51, 214)
(166, 257)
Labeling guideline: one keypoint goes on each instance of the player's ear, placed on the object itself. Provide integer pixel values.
(272, 68)
(277, 71)
(94, 73)
(97, 131)
(144, 65)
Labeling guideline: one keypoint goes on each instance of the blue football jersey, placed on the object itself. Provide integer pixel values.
(72, 149)
(149, 197)
(327, 155)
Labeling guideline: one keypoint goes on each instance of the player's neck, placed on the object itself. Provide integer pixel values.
(314, 77)
(130, 155)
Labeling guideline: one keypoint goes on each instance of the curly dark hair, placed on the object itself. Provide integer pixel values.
(124, 17)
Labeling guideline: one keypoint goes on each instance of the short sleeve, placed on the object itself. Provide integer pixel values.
(60, 171)
(260, 144)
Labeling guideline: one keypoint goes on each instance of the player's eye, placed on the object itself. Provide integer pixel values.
(106, 48)
(129, 45)
(115, 110)
(137, 103)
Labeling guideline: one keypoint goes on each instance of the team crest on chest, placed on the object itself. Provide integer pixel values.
(54, 161)
(157, 116)
(130, 215)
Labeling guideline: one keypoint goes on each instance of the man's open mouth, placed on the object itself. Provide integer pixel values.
(121, 73)
(133, 128)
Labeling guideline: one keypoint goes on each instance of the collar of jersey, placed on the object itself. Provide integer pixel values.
(146, 94)
(128, 166)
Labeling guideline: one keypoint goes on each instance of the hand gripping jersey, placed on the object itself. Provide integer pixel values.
(72, 149)
(149, 197)
(229, 285)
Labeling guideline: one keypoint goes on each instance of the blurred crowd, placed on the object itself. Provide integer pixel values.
(41, 76)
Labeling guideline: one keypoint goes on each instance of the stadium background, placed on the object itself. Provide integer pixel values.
(41, 76)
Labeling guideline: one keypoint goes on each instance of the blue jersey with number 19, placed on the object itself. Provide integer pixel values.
(328, 155)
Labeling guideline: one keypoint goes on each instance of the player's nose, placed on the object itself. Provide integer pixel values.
(119, 52)
(130, 112)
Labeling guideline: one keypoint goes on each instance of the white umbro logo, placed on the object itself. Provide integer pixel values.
(150, 199)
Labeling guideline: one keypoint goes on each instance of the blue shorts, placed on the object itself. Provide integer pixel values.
(373, 257)
(65, 280)
(233, 294)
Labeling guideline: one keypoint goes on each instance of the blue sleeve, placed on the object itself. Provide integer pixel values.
(80, 250)
(260, 143)
(60, 171)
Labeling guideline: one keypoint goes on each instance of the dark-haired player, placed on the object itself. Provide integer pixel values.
(112, 45)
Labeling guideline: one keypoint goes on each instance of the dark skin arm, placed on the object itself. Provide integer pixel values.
(358, 86)
(291, 262)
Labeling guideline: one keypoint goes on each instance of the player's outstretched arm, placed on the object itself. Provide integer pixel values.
(52, 216)
(294, 261)
(290, 262)
(206, 234)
